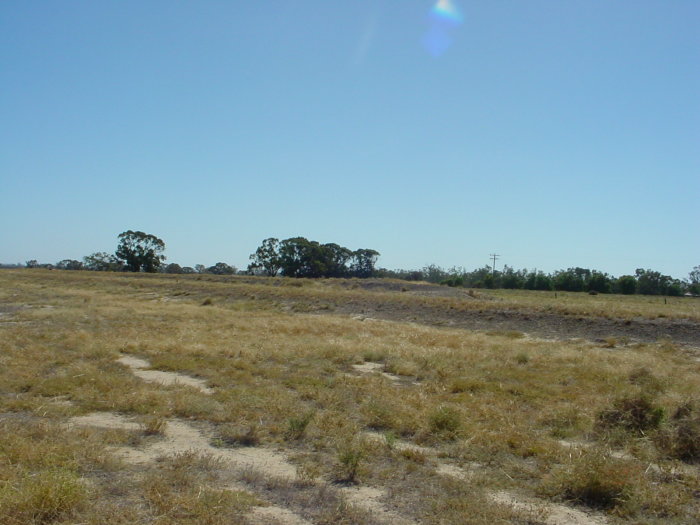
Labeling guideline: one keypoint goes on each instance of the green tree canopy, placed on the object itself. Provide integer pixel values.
(69, 264)
(221, 268)
(626, 284)
(142, 252)
(266, 258)
(300, 257)
(102, 262)
(694, 280)
(173, 268)
(363, 263)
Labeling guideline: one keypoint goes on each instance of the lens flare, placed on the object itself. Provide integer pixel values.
(444, 18)
(447, 11)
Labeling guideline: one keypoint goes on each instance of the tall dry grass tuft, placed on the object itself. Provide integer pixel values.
(45, 497)
(598, 480)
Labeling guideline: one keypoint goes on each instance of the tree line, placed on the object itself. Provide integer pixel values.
(644, 281)
(138, 251)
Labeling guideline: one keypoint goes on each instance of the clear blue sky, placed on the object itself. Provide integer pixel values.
(556, 133)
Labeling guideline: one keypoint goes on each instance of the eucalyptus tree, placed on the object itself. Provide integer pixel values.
(141, 252)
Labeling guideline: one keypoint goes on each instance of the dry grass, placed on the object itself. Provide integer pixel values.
(285, 379)
(603, 305)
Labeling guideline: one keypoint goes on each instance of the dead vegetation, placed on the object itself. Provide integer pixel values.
(254, 412)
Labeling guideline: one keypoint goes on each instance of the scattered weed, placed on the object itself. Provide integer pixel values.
(374, 356)
(296, 426)
(413, 454)
(522, 358)
(154, 425)
(378, 414)
(565, 423)
(465, 384)
(349, 458)
(233, 435)
(444, 421)
(390, 440)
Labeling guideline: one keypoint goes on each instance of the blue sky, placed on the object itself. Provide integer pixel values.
(556, 133)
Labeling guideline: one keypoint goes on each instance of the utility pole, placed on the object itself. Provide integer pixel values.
(494, 256)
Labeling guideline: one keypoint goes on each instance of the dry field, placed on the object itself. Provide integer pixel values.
(206, 400)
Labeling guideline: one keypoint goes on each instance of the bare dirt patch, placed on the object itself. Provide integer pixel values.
(401, 301)
(369, 498)
(273, 515)
(370, 368)
(398, 444)
(179, 437)
(553, 513)
(139, 368)
(539, 324)
(453, 471)
(105, 420)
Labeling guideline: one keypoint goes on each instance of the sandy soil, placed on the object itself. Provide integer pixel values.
(369, 498)
(276, 516)
(105, 420)
(374, 368)
(179, 436)
(139, 368)
(554, 514)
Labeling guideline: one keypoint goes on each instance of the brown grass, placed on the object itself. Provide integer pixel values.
(285, 379)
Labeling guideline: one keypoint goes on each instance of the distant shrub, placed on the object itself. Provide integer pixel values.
(522, 358)
(626, 284)
(633, 414)
(681, 438)
(174, 268)
(453, 281)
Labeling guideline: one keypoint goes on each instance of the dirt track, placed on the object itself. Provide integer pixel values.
(386, 299)
(550, 325)
(540, 324)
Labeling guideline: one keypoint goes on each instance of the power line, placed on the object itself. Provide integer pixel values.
(494, 256)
